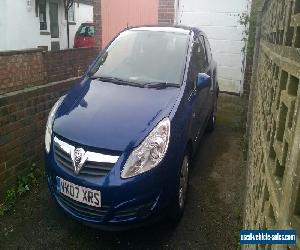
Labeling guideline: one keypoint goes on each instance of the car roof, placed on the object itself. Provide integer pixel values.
(168, 28)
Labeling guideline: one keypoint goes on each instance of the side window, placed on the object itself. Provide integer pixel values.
(208, 50)
(194, 67)
(198, 63)
(202, 56)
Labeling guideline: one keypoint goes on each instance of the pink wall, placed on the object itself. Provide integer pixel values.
(118, 14)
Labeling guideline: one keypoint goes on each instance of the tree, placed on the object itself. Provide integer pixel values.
(68, 4)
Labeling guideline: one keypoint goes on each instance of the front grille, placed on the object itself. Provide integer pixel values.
(63, 158)
(90, 168)
(82, 209)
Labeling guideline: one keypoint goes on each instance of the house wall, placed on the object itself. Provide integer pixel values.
(117, 15)
(3, 8)
(166, 11)
(20, 27)
(98, 23)
(219, 19)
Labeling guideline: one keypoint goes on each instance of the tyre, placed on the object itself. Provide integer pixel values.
(179, 202)
(211, 123)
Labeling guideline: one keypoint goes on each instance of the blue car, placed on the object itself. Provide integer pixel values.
(119, 144)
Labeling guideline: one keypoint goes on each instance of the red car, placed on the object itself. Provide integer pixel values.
(85, 36)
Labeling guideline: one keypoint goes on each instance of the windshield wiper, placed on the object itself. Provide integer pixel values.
(161, 85)
(116, 81)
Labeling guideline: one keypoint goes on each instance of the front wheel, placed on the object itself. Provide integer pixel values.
(211, 123)
(181, 192)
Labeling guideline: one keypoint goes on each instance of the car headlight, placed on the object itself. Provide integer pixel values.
(50, 121)
(150, 152)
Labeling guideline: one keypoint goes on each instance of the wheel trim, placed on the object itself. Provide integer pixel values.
(183, 184)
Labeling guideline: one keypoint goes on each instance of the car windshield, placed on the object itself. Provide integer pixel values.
(144, 57)
(86, 30)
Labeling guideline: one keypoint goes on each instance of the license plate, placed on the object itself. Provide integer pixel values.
(79, 193)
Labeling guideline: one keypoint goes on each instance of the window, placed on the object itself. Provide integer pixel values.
(198, 62)
(86, 30)
(202, 55)
(42, 14)
(135, 56)
(194, 67)
(199, 55)
(71, 13)
(208, 49)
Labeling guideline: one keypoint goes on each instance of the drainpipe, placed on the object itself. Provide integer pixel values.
(68, 4)
(68, 28)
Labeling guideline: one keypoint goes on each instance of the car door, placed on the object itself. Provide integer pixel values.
(196, 96)
(211, 98)
(205, 92)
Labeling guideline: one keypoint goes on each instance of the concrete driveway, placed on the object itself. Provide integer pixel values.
(213, 214)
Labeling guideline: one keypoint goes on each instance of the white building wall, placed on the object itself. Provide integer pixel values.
(2, 23)
(219, 19)
(20, 27)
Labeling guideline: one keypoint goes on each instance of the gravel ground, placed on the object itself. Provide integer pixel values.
(212, 219)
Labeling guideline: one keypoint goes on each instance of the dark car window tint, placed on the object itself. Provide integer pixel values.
(87, 30)
(145, 56)
(195, 65)
(198, 62)
(208, 49)
(202, 55)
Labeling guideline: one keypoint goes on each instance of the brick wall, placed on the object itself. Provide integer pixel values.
(23, 117)
(64, 64)
(273, 179)
(23, 69)
(247, 76)
(166, 11)
(31, 81)
(98, 23)
(256, 4)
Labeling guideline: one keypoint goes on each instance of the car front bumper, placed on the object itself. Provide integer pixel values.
(125, 203)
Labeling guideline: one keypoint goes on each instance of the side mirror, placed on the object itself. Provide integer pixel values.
(203, 81)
